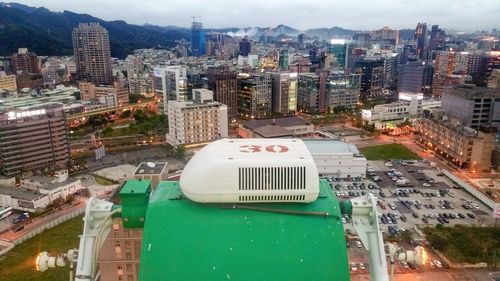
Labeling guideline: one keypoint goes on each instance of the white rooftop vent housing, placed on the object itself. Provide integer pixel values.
(251, 170)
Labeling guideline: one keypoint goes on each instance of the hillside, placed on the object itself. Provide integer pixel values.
(49, 33)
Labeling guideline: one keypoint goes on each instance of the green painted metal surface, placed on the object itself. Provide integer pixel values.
(135, 198)
(184, 240)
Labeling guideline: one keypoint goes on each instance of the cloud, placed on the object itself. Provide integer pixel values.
(353, 14)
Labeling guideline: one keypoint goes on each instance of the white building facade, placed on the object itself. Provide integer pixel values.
(197, 121)
(336, 158)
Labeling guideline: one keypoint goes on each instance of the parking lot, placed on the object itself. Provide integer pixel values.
(409, 193)
(415, 193)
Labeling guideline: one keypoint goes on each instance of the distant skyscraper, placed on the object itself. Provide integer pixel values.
(421, 37)
(300, 39)
(372, 77)
(415, 77)
(245, 47)
(197, 39)
(92, 53)
(284, 92)
(25, 61)
(283, 59)
(338, 48)
(170, 84)
(386, 34)
(222, 81)
(438, 37)
(255, 96)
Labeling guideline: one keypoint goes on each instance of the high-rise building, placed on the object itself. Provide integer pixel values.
(415, 77)
(451, 62)
(372, 77)
(170, 84)
(437, 39)
(224, 84)
(421, 38)
(197, 121)
(342, 90)
(255, 96)
(311, 95)
(92, 54)
(300, 41)
(284, 92)
(283, 59)
(338, 48)
(473, 106)
(386, 34)
(245, 47)
(24, 60)
(197, 39)
(33, 139)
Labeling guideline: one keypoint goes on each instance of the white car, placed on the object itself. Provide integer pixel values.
(426, 184)
(354, 267)
(438, 263)
(358, 244)
(404, 265)
(362, 266)
(388, 164)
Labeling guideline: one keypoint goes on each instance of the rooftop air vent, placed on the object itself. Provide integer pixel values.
(251, 170)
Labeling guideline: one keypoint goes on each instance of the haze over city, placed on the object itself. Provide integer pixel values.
(460, 15)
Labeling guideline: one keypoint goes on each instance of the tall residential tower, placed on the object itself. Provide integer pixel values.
(92, 54)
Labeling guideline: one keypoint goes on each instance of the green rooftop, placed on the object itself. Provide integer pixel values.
(135, 186)
(184, 240)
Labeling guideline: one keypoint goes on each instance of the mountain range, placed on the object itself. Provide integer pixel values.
(49, 33)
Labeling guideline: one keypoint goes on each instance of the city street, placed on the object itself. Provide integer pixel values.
(78, 203)
(445, 275)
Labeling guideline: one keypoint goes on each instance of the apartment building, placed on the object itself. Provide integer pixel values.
(7, 82)
(197, 121)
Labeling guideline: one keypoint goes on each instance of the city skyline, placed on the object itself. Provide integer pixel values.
(479, 15)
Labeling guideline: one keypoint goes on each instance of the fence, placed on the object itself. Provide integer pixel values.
(48, 225)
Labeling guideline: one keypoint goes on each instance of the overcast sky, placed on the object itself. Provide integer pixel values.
(465, 15)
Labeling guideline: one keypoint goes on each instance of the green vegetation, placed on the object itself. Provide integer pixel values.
(146, 123)
(388, 151)
(180, 152)
(103, 181)
(19, 263)
(466, 244)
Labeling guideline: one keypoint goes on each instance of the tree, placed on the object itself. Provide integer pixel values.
(438, 240)
(134, 98)
(77, 95)
(107, 131)
(180, 152)
(139, 116)
(126, 114)
(97, 121)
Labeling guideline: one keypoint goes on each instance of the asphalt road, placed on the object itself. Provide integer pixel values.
(445, 275)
